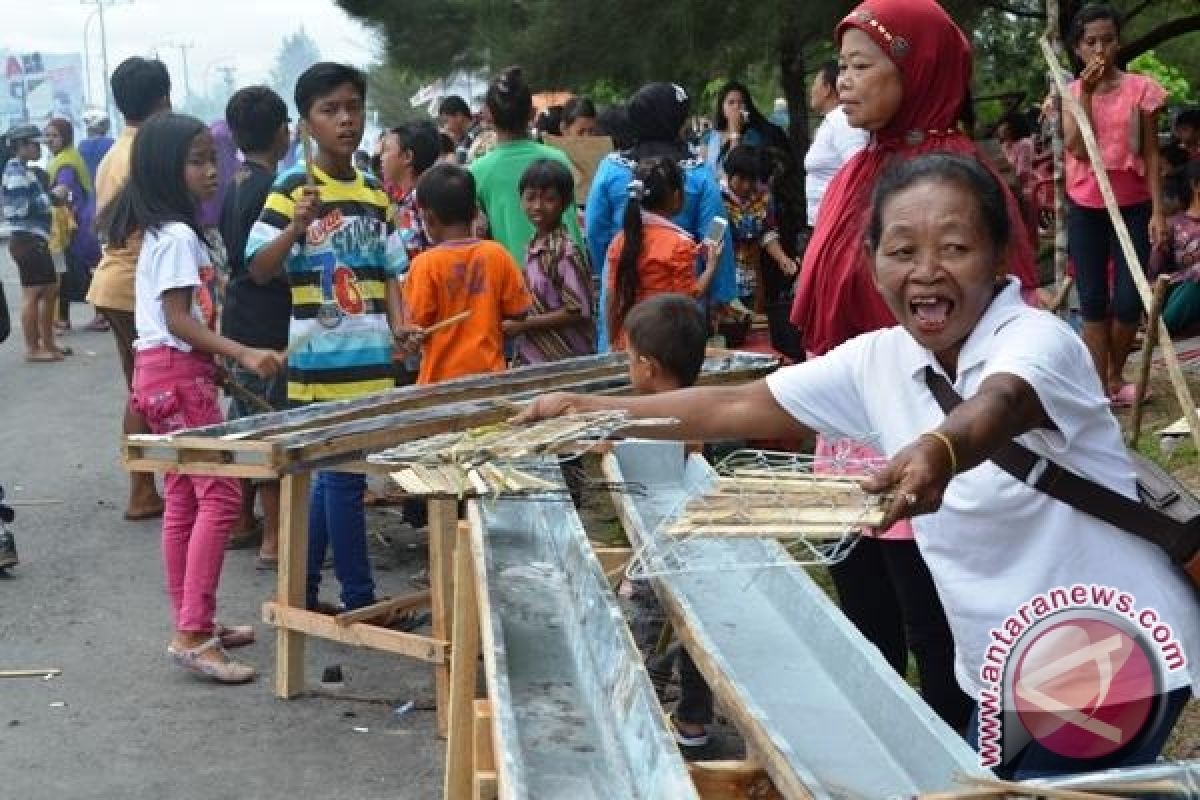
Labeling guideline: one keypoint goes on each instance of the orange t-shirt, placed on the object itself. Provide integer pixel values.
(453, 277)
(666, 264)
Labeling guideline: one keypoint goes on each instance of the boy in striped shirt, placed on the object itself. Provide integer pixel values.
(337, 244)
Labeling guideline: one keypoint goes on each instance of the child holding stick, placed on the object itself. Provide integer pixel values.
(476, 280)
(173, 169)
(330, 226)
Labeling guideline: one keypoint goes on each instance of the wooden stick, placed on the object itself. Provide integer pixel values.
(1024, 789)
(813, 531)
(248, 396)
(1143, 379)
(447, 322)
(389, 606)
(49, 672)
(1063, 293)
(310, 179)
(1182, 393)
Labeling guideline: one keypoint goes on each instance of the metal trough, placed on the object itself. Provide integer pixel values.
(574, 713)
(820, 705)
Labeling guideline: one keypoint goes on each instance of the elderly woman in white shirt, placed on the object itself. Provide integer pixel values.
(997, 547)
(834, 141)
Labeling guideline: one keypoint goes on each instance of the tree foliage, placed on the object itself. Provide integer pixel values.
(297, 52)
(616, 45)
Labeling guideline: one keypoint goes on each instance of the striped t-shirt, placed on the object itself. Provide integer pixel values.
(26, 204)
(339, 280)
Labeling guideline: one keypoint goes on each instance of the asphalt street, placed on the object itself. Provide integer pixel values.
(87, 597)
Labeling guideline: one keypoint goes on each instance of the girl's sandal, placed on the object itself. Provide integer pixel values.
(229, 671)
(234, 635)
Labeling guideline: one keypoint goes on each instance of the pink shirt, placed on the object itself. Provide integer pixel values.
(1117, 120)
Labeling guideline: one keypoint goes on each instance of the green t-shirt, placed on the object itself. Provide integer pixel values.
(497, 176)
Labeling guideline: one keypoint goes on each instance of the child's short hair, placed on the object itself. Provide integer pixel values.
(254, 115)
(446, 145)
(448, 191)
(743, 161)
(670, 329)
(452, 105)
(139, 85)
(423, 140)
(546, 173)
(322, 78)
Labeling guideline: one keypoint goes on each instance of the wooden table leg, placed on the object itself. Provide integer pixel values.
(459, 779)
(293, 571)
(443, 531)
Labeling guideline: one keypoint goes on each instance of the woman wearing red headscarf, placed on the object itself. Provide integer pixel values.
(905, 71)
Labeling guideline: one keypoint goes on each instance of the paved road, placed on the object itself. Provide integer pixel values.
(88, 598)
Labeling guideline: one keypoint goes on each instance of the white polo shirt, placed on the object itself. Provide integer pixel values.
(832, 145)
(996, 542)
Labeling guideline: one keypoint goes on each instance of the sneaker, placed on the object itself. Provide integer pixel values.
(8, 550)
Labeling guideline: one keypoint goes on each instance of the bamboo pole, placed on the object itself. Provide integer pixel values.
(1182, 393)
(1143, 379)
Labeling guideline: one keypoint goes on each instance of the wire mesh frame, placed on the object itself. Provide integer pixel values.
(830, 481)
(562, 438)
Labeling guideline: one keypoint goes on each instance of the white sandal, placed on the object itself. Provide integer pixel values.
(228, 672)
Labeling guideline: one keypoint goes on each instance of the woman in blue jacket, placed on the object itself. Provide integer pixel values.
(657, 113)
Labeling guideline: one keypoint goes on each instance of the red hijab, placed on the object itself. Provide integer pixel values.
(836, 298)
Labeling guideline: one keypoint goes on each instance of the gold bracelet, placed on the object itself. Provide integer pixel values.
(944, 439)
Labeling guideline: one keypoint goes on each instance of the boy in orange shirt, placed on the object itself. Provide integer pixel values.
(459, 273)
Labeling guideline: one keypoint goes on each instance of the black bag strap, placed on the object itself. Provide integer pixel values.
(1076, 491)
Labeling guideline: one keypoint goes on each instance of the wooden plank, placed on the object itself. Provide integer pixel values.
(1182, 392)
(391, 605)
(613, 561)
(200, 468)
(460, 743)
(291, 579)
(360, 634)
(485, 785)
(732, 780)
(443, 530)
(484, 756)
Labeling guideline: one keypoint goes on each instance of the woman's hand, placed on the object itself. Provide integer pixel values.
(1089, 79)
(1158, 229)
(916, 477)
(549, 406)
(264, 363)
(409, 338)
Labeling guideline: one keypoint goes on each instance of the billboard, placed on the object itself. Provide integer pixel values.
(37, 86)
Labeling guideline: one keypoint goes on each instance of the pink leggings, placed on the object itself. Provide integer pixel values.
(175, 390)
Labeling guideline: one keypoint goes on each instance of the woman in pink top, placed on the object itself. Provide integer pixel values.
(1123, 111)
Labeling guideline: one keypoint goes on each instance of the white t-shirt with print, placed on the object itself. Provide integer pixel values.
(172, 257)
(832, 145)
(996, 543)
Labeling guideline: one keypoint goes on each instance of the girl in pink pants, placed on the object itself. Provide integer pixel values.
(172, 169)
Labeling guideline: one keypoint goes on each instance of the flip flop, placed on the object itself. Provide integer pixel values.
(267, 564)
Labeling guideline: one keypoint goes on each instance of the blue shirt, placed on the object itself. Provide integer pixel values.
(26, 204)
(605, 214)
(93, 149)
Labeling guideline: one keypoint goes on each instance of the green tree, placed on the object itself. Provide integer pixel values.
(389, 92)
(1179, 90)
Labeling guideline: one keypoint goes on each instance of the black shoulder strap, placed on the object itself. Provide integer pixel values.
(1076, 491)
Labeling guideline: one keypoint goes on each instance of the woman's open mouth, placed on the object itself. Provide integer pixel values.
(930, 312)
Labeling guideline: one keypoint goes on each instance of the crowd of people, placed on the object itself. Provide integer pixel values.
(237, 254)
